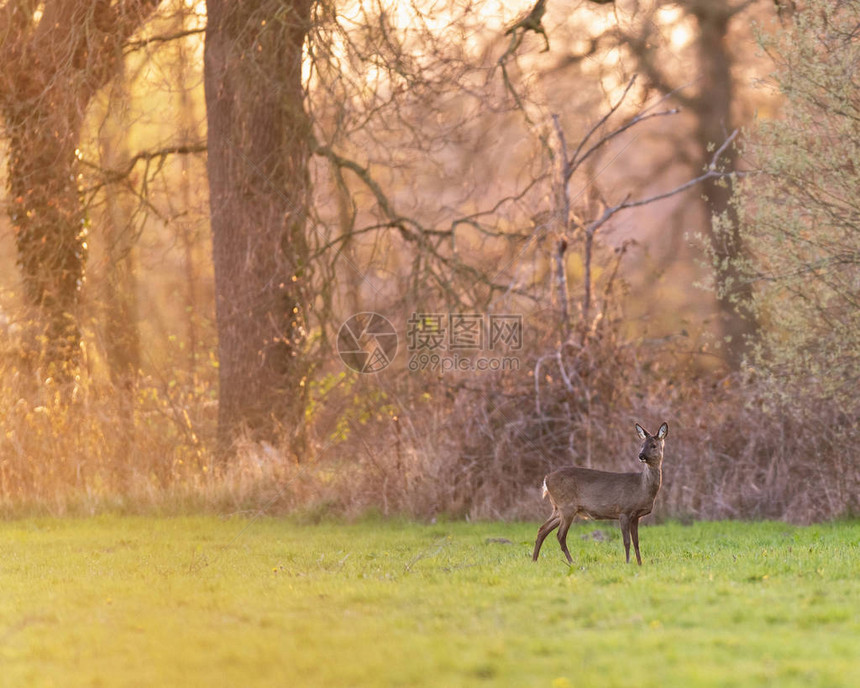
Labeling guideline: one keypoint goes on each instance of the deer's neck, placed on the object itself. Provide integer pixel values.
(652, 478)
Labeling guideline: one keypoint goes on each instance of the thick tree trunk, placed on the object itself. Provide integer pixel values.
(713, 110)
(258, 179)
(50, 231)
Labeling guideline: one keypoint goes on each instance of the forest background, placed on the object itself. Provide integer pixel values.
(657, 199)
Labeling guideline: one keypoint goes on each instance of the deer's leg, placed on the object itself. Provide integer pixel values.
(634, 532)
(625, 534)
(549, 525)
(566, 520)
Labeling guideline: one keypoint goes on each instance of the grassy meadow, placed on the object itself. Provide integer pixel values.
(206, 601)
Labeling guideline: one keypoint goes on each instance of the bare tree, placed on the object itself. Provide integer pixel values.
(119, 293)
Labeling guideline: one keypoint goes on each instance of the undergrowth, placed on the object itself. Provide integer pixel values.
(462, 448)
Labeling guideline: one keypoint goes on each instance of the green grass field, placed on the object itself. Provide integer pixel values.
(202, 601)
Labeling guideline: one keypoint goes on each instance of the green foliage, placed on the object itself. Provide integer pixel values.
(798, 209)
(357, 405)
(215, 602)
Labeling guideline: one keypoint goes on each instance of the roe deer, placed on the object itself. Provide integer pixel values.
(603, 495)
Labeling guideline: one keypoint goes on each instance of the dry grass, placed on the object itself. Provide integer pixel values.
(483, 452)
(475, 448)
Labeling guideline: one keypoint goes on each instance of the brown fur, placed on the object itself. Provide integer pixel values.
(626, 497)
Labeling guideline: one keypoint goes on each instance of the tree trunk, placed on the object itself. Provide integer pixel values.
(119, 284)
(50, 69)
(119, 291)
(189, 132)
(712, 105)
(713, 110)
(258, 179)
(50, 231)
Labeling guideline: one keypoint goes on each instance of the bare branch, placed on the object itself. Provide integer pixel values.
(643, 116)
(531, 22)
(603, 120)
(711, 172)
(362, 173)
(111, 176)
(163, 38)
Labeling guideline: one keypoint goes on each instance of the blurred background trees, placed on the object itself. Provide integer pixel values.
(799, 214)
(706, 89)
(210, 209)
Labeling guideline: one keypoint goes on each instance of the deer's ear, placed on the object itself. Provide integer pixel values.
(663, 431)
(642, 432)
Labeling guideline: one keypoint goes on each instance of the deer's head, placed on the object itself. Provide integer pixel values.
(652, 445)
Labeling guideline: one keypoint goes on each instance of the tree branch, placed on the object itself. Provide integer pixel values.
(116, 175)
(131, 46)
(643, 116)
(711, 172)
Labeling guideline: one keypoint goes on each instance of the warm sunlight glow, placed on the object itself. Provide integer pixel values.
(669, 14)
(613, 57)
(680, 36)
(675, 22)
(415, 29)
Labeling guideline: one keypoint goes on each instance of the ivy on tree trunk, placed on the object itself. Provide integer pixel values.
(51, 65)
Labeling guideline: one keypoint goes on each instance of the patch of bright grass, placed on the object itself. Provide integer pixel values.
(135, 601)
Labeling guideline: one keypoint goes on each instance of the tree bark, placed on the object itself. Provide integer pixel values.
(186, 230)
(712, 105)
(119, 291)
(713, 111)
(50, 69)
(258, 179)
